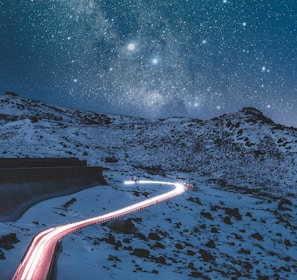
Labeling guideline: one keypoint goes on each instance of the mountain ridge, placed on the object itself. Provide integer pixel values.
(238, 222)
(221, 145)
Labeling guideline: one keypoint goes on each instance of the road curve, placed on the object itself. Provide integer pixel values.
(37, 261)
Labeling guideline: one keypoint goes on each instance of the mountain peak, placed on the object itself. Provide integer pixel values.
(251, 111)
(254, 115)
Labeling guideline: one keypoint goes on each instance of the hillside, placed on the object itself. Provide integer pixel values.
(238, 221)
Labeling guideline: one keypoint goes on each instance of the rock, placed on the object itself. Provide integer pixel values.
(158, 245)
(141, 236)
(257, 236)
(191, 266)
(214, 230)
(128, 248)
(161, 260)
(210, 244)
(123, 226)
(249, 214)
(154, 271)
(238, 237)
(142, 253)
(206, 215)
(117, 245)
(243, 251)
(2, 256)
(206, 256)
(284, 201)
(178, 246)
(195, 200)
(154, 236)
(110, 239)
(234, 213)
(199, 275)
(227, 220)
(190, 253)
(6, 241)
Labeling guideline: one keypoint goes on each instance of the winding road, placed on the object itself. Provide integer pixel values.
(37, 261)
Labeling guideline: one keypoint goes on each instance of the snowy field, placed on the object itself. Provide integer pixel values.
(205, 233)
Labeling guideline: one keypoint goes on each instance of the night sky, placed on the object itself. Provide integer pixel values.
(152, 58)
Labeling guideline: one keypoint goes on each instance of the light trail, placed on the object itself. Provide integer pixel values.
(37, 261)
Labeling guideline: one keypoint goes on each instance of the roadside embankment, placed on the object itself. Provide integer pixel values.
(24, 182)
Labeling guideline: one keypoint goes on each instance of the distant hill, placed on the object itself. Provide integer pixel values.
(245, 144)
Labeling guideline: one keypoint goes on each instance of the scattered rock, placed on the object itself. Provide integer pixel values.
(203, 226)
(214, 230)
(158, 245)
(178, 246)
(243, 251)
(110, 239)
(247, 265)
(67, 204)
(140, 236)
(117, 245)
(123, 226)
(191, 266)
(206, 215)
(111, 160)
(6, 241)
(142, 253)
(113, 258)
(288, 243)
(210, 244)
(154, 236)
(238, 237)
(190, 253)
(234, 213)
(195, 200)
(249, 214)
(2, 256)
(127, 240)
(283, 202)
(206, 256)
(257, 236)
(160, 259)
(199, 275)
(227, 220)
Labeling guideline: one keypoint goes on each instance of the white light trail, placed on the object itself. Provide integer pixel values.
(37, 261)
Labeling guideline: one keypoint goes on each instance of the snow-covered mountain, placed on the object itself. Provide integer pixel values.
(238, 222)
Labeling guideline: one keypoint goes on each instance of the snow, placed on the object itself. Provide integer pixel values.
(238, 221)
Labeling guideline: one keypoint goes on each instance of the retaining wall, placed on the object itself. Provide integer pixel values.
(24, 182)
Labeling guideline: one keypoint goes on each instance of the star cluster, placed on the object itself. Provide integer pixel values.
(153, 58)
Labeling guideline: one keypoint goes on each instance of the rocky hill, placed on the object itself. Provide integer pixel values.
(239, 222)
(229, 148)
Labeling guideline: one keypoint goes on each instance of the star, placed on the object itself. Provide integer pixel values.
(144, 47)
(131, 47)
(155, 60)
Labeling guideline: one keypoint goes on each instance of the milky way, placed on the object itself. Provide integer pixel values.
(153, 58)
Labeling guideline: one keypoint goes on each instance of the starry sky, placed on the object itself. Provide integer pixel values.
(196, 58)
